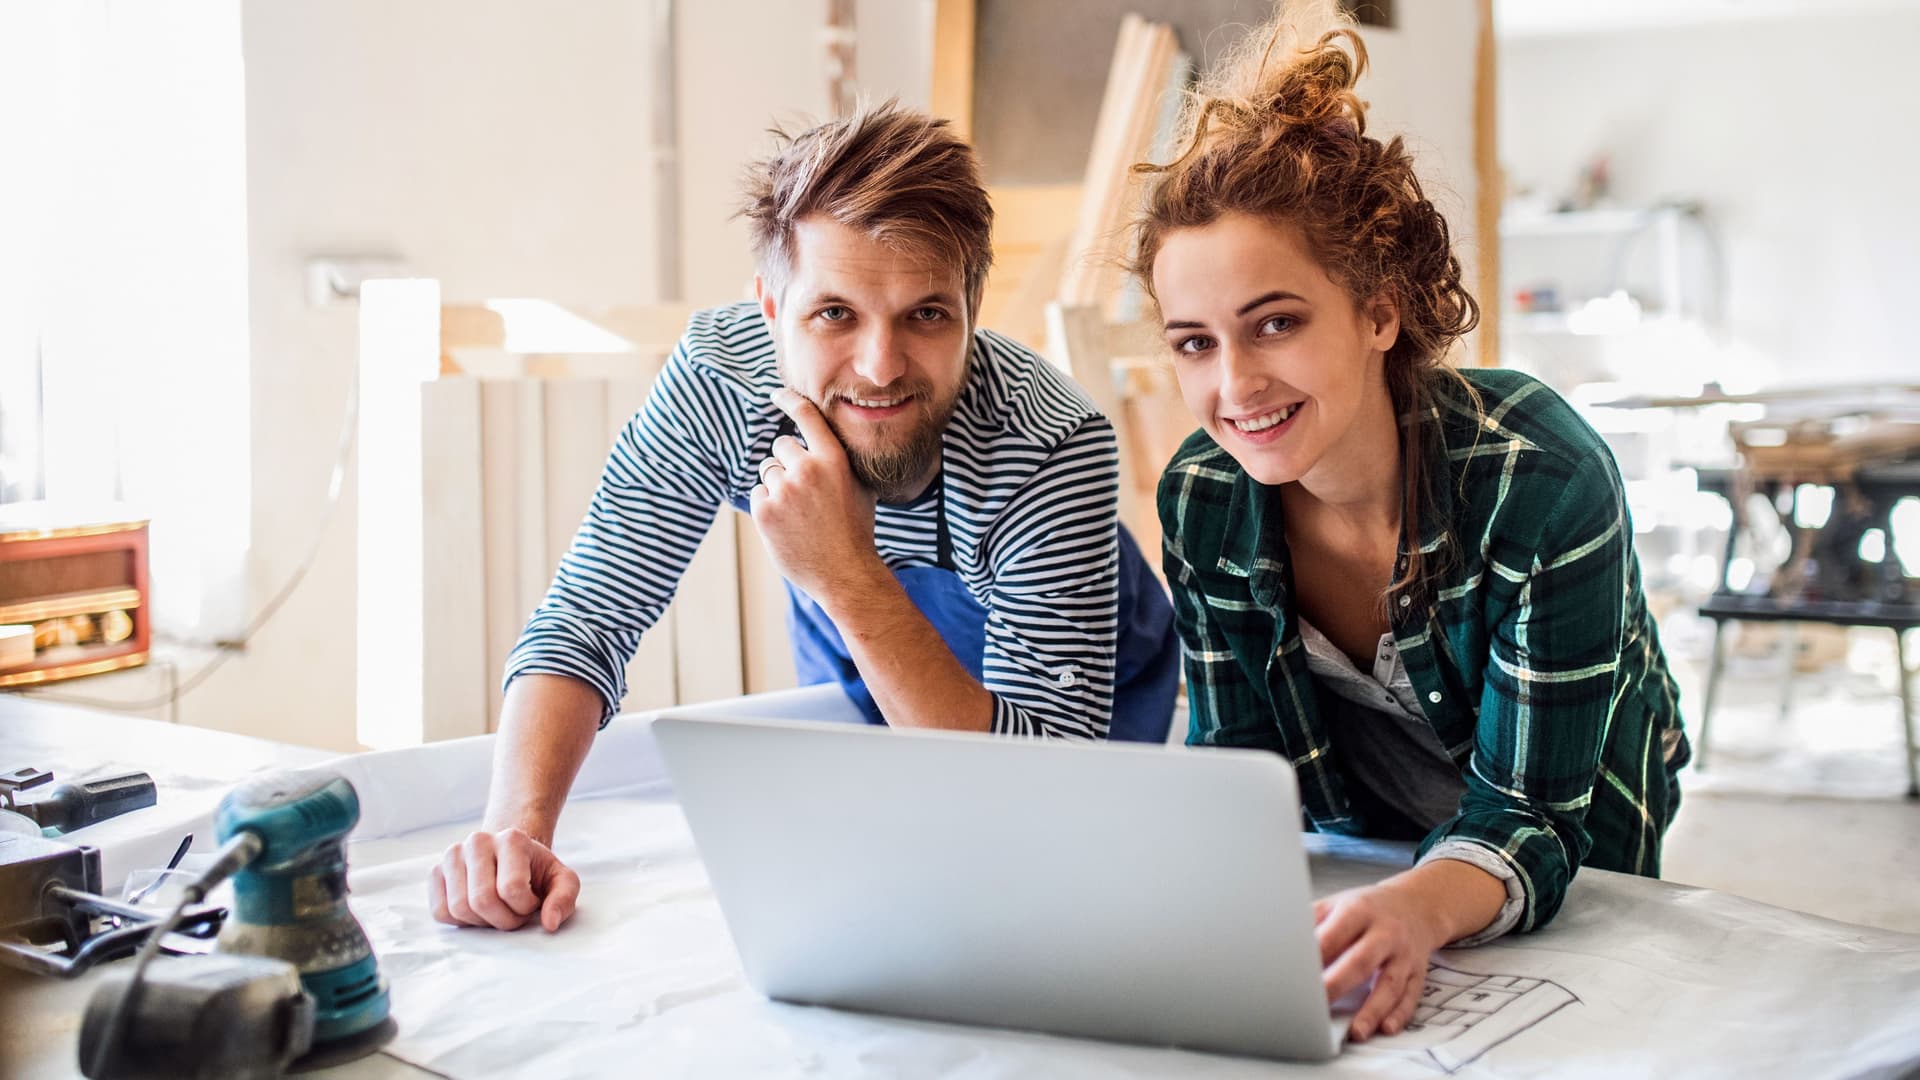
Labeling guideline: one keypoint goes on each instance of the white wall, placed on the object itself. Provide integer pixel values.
(749, 65)
(1797, 135)
(498, 146)
(1419, 85)
(501, 147)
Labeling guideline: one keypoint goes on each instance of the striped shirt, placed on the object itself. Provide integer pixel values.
(1536, 663)
(1029, 477)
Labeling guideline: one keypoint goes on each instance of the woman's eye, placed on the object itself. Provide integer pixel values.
(1279, 324)
(1194, 344)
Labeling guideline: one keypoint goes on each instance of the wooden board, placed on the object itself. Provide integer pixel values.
(453, 671)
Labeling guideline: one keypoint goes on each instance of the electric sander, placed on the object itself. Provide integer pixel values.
(282, 840)
(290, 902)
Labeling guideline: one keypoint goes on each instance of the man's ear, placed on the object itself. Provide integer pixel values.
(764, 293)
(1383, 319)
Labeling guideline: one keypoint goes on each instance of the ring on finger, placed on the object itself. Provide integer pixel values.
(770, 463)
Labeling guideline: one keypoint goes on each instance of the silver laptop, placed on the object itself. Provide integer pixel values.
(1131, 893)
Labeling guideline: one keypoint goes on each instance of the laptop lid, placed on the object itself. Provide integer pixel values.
(1131, 893)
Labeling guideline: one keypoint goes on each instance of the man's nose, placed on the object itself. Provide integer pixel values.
(880, 360)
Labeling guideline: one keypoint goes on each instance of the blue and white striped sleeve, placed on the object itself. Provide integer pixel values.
(670, 469)
(1052, 609)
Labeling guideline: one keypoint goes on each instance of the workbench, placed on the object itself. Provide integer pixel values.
(1635, 977)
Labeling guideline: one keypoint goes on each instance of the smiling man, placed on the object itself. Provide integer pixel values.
(940, 500)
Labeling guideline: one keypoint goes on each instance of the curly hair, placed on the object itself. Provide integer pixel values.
(1278, 134)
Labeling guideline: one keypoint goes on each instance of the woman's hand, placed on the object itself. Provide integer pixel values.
(1377, 933)
(1387, 932)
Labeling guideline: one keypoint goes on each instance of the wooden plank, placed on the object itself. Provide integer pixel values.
(1032, 226)
(652, 680)
(1030, 216)
(453, 669)
(709, 649)
(1077, 334)
(952, 92)
(1108, 133)
(650, 328)
(767, 654)
(500, 512)
(532, 566)
(576, 443)
(471, 326)
(1147, 66)
(1489, 185)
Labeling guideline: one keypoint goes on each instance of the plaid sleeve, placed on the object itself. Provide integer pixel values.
(1548, 692)
(1225, 707)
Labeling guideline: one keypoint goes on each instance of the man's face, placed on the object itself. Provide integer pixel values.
(878, 339)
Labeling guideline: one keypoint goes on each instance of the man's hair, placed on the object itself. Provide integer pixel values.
(899, 176)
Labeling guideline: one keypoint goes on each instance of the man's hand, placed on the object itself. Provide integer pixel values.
(502, 880)
(815, 518)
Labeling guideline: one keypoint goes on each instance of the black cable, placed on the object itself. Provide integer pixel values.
(234, 854)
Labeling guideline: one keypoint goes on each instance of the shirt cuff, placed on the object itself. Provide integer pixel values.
(1492, 862)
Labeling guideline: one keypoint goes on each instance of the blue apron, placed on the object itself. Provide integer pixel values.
(1147, 654)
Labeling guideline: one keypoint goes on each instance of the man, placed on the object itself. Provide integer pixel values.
(939, 499)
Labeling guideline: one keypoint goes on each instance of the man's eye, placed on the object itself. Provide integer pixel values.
(835, 314)
(929, 314)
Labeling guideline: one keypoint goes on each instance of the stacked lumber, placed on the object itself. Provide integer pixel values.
(1140, 103)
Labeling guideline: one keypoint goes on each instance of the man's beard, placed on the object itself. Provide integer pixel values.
(896, 468)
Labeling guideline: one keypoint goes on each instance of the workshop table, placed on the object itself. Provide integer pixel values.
(1635, 977)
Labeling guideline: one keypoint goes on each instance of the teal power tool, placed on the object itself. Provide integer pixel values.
(290, 902)
(298, 984)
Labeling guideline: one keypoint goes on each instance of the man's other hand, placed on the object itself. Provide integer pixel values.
(503, 880)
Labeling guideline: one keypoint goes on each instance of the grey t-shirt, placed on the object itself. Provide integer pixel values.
(1388, 748)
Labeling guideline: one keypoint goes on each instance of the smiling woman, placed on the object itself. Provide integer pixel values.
(1417, 584)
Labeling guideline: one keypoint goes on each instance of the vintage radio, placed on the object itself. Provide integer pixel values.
(73, 594)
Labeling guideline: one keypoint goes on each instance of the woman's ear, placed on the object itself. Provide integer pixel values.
(1383, 321)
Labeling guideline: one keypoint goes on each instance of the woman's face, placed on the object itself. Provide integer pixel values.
(1275, 361)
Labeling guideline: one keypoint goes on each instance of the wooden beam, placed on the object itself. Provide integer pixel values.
(953, 41)
(1490, 186)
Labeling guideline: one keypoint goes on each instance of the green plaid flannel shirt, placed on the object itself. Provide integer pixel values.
(1536, 661)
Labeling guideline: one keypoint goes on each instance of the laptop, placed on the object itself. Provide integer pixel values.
(1129, 893)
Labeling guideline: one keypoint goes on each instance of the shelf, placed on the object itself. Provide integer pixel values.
(1561, 322)
(65, 605)
(1581, 223)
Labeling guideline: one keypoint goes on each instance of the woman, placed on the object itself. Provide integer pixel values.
(1418, 584)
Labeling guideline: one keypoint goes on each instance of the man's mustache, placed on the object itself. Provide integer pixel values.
(872, 393)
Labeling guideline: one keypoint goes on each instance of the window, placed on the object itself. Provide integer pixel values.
(123, 297)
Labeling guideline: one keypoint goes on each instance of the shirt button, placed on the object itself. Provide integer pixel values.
(1434, 697)
(1067, 679)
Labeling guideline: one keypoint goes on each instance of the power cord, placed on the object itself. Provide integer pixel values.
(234, 854)
(227, 649)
